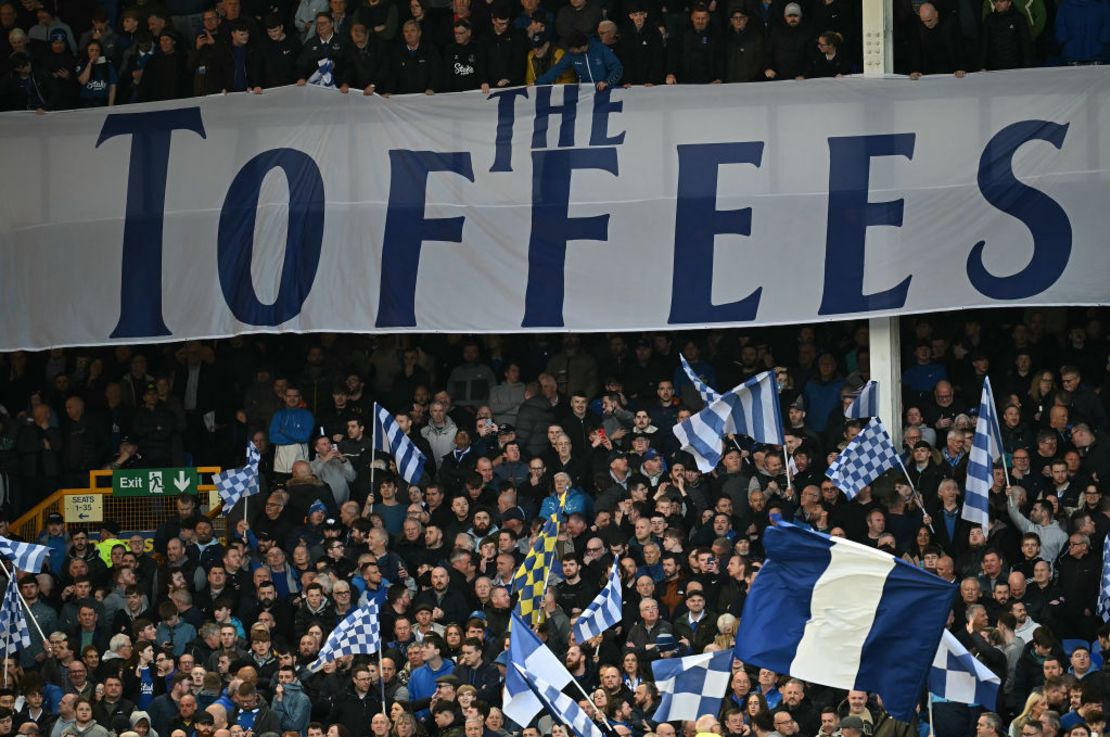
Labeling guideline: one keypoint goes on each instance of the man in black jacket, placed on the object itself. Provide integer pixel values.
(696, 56)
(415, 65)
(507, 51)
(277, 55)
(325, 46)
(465, 61)
(365, 67)
(936, 45)
(641, 49)
(356, 706)
(473, 671)
(788, 45)
(1006, 41)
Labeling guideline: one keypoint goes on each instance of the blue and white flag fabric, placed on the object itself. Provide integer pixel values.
(957, 676)
(562, 707)
(751, 409)
(691, 687)
(389, 437)
(866, 403)
(526, 649)
(986, 448)
(1103, 608)
(708, 394)
(234, 484)
(13, 621)
(841, 614)
(27, 557)
(870, 454)
(357, 634)
(604, 611)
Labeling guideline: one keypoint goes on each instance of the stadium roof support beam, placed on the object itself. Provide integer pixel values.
(878, 30)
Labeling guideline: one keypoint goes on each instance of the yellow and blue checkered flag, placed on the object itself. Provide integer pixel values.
(530, 581)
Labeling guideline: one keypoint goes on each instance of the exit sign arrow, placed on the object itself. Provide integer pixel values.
(181, 481)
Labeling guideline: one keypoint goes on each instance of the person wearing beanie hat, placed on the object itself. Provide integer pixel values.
(788, 46)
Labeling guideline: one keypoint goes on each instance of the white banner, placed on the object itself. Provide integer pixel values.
(303, 209)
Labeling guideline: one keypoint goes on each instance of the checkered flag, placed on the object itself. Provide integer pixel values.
(708, 394)
(13, 623)
(26, 556)
(236, 483)
(691, 687)
(359, 634)
(868, 456)
(1104, 588)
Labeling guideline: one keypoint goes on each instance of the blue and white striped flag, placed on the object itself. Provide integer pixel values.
(389, 437)
(751, 409)
(13, 621)
(235, 483)
(709, 395)
(986, 448)
(866, 403)
(521, 704)
(691, 687)
(559, 705)
(604, 611)
(1103, 608)
(26, 556)
(870, 454)
(835, 612)
(957, 676)
(358, 634)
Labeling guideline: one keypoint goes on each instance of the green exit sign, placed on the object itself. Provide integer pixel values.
(155, 482)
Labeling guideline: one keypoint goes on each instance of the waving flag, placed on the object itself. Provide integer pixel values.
(986, 448)
(708, 394)
(866, 403)
(13, 620)
(525, 648)
(1103, 608)
(751, 409)
(831, 611)
(691, 687)
(26, 556)
(604, 611)
(530, 580)
(957, 676)
(237, 483)
(559, 705)
(870, 454)
(389, 437)
(358, 634)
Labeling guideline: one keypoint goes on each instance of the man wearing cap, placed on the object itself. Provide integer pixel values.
(696, 628)
(643, 55)
(851, 726)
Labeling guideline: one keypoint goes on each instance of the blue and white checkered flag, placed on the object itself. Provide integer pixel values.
(26, 556)
(324, 74)
(604, 611)
(236, 483)
(1103, 608)
(986, 448)
(13, 621)
(866, 403)
(867, 457)
(751, 409)
(691, 687)
(559, 705)
(389, 437)
(358, 634)
(957, 676)
(709, 395)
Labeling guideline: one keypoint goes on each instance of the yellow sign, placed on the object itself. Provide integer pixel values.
(84, 508)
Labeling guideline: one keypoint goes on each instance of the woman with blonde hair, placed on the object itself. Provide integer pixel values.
(1035, 706)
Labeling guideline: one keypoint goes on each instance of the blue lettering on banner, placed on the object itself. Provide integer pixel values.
(599, 127)
(697, 223)
(1046, 220)
(506, 119)
(567, 113)
(406, 229)
(850, 214)
(552, 227)
(140, 314)
(303, 240)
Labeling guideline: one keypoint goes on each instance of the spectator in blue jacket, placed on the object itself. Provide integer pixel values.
(1083, 31)
(290, 431)
(592, 61)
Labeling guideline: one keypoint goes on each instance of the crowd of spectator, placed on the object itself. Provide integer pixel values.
(187, 635)
(61, 54)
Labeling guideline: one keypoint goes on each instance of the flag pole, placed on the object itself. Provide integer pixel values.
(11, 577)
(381, 677)
(916, 493)
(929, 702)
(373, 452)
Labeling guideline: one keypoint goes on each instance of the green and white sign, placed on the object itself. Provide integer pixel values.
(155, 482)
